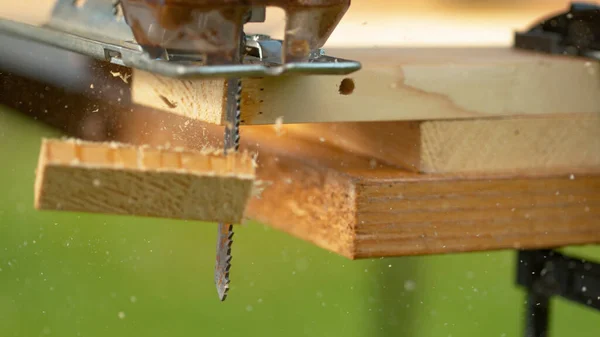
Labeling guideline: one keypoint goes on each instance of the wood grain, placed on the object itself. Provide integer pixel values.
(119, 179)
(547, 143)
(341, 202)
(407, 215)
(408, 84)
(373, 212)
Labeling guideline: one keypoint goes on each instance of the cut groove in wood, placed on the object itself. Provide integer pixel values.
(121, 179)
(396, 84)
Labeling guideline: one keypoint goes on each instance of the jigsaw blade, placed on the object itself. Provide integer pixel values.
(232, 143)
(224, 242)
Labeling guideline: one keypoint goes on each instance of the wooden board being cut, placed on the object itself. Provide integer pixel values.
(542, 143)
(396, 84)
(119, 179)
(342, 202)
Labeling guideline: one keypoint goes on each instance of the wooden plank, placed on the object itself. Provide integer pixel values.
(401, 84)
(540, 143)
(549, 143)
(119, 179)
(406, 215)
(339, 201)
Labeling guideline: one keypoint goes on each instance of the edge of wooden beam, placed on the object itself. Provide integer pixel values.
(121, 179)
(396, 84)
(544, 143)
(415, 214)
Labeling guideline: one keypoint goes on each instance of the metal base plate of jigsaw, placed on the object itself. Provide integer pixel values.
(98, 29)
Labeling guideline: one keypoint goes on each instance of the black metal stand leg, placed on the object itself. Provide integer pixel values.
(547, 273)
(537, 315)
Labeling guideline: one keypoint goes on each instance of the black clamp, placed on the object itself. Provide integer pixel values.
(575, 32)
(547, 273)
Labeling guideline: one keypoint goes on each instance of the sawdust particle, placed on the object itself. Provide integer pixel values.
(123, 77)
(295, 208)
(278, 126)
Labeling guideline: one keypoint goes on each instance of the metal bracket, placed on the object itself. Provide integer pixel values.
(547, 273)
(97, 30)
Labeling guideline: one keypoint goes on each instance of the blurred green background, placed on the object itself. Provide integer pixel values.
(67, 274)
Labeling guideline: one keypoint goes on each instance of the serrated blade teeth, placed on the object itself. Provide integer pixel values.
(231, 142)
(223, 263)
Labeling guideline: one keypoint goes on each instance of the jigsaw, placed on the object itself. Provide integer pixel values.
(196, 39)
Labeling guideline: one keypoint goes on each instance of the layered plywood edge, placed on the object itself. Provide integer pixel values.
(115, 178)
(403, 84)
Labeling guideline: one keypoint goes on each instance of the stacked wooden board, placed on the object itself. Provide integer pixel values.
(422, 151)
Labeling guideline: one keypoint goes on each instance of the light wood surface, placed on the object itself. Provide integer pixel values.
(403, 84)
(539, 143)
(196, 99)
(346, 205)
(33, 12)
(119, 179)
